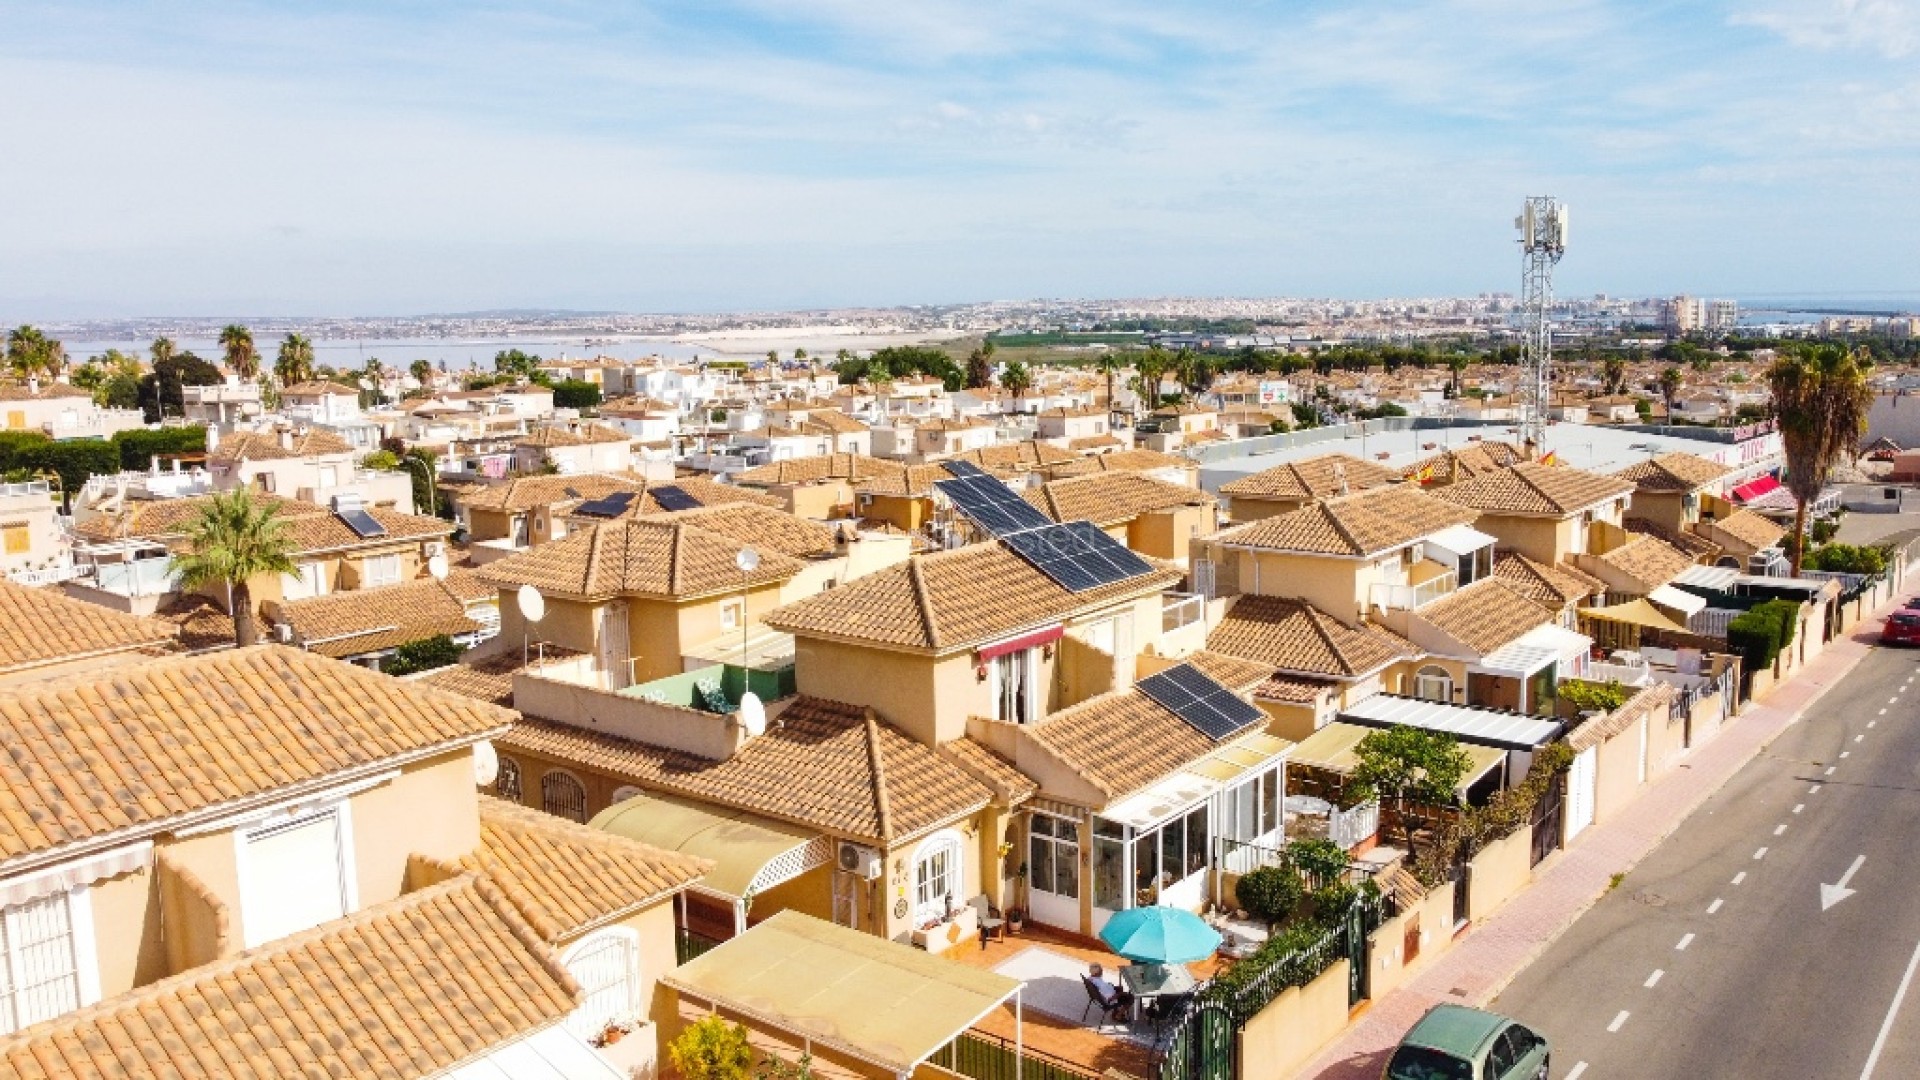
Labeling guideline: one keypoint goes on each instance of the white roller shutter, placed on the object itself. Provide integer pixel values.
(293, 877)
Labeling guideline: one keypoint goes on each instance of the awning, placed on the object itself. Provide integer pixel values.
(1331, 748)
(1177, 793)
(1483, 727)
(1460, 540)
(549, 1054)
(1025, 641)
(1680, 600)
(1711, 578)
(1755, 488)
(1543, 645)
(1634, 613)
(749, 854)
(879, 1001)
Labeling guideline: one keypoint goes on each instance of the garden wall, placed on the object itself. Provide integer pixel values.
(1501, 869)
(1294, 1026)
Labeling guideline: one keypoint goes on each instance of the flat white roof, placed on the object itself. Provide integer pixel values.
(1686, 603)
(1717, 578)
(1461, 539)
(550, 1054)
(1534, 650)
(1483, 727)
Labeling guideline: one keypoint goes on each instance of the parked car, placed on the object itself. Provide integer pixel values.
(1453, 1042)
(1912, 602)
(1903, 628)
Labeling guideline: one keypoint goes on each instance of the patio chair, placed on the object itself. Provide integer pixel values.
(1107, 1005)
(990, 919)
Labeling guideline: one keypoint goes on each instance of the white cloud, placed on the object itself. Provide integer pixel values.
(1888, 27)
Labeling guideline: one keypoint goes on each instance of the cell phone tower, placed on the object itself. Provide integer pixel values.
(1543, 239)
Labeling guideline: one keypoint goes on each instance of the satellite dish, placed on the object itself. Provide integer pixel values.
(532, 604)
(753, 715)
(748, 560)
(486, 764)
(437, 566)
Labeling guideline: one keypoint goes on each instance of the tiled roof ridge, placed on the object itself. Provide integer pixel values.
(676, 558)
(1340, 527)
(1314, 617)
(876, 761)
(591, 565)
(923, 602)
(216, 970)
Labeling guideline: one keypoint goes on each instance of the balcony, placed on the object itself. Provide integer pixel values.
(1179, 610)
(1414, 597)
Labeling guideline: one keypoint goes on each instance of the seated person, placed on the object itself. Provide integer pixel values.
(1122, 1001)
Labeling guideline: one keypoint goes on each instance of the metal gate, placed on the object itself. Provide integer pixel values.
(1201, 1045)
(1547, 814)
(1357, 966)
(1580, 785)
(1462, 894)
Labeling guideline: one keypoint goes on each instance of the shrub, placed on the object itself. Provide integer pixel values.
(1320, 860)
(575, 394)
(1754, 636)
(712, 1049)
(1585, 694)
(1271, 893)
(423, 655)
(1786, 614)
(1848, 559)
(382, 460)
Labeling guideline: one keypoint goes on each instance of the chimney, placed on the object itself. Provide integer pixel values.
(33, 384)
(286, 438)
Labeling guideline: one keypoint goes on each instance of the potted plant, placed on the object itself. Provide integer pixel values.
(1016, 919)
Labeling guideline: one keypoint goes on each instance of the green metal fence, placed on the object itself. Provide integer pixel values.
(984, 1056)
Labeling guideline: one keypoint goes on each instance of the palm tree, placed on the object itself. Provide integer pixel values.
(1152, 365)
(295, 362)
(1615, 370)
(1016, 379)
(1107, 364)
(242, 358)
(1194, 370)
(375, 376)
(422, 373)
(1670, 389)
(1456, 364)
(30, 352)
(1821, 398)
(163, 350)
(234, 540)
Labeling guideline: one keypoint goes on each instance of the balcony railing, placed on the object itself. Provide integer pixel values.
(26, 487)
(1181, 609)
(1414, 597)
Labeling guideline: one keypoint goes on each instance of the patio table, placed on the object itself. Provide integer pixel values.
(1155, 980)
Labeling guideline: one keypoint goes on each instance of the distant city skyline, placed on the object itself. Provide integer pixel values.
(752, 155)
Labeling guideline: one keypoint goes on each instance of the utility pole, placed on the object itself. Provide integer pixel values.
(1543, 239)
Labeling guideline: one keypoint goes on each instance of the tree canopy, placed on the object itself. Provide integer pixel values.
(235, 539)
(1820, 397)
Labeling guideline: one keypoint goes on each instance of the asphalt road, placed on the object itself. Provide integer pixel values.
(1714, 957)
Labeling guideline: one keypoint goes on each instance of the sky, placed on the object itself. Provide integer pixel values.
(410, 156)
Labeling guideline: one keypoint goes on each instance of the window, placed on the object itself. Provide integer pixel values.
(19, 540)
(41, 976)
(1252, 809)
(1109, 864)
(1015, 678)
(936, 879)
(562, 796)
(1053, 855)
(506, 783)
(329, 476)
(730, 612)
(380, 570)
(1433, 684)
(293, 874)
(607, 967)
(1169, 853)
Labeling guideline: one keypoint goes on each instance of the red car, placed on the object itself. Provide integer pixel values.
(1903, 628)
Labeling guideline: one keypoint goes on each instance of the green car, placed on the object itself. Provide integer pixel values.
(1453, 1042)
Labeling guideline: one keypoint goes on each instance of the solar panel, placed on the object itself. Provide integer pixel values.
(1206, 706)
(963, 468)
(361, 522)
(673, 498)
(990, 504)
(1076, 555)
(608, 506)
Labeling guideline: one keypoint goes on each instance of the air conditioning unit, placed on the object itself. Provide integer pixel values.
(435, 547)
(863, 862)
(283, 632)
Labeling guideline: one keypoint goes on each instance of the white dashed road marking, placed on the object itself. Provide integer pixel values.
(1761, 854)
(1780, 828)
(1619, 1021)
(1799, 806)
(1579, 1067)
(1653, 980)
(1684, 942)
(1715, 906)
(1739, 877)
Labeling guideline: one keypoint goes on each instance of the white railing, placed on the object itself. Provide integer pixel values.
(1711, 622)
(48, 575)
(1624, 674)
(1353, 826)
(26, 487)
(142, 577)
(1413, 597)
(1181, 609)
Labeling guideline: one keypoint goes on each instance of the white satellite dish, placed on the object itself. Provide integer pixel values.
(437, 566)
(753, 715)
(748, 560)
(532, 604)
(486, 764)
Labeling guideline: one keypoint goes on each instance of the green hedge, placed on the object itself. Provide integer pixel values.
(138, 447)
(73, 460)
(1754, 636)
(423, 655)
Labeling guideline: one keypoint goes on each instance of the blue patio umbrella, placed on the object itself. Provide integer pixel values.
(1160, 935)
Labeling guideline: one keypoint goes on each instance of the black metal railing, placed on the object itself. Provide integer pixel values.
(687, 945)
(983, 1055)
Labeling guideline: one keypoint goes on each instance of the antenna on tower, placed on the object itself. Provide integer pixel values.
(1543, 239)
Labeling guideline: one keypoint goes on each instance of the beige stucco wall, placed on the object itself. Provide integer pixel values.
(1617, 772)
(899, 686)
(698, 620)
(1340, 587)
(1169, 534)
(1665, 508)
(1546, 540)
(488, 524)
(127, 921)
(428, 810)
(1244, 509)
(1501, 869)
(571, 624)
(1294, 1026)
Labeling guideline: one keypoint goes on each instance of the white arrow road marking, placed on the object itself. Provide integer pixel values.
(1886, 1026)
(1833, 894)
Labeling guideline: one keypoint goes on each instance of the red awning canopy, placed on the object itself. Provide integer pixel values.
(1025, 641)
(1753, 489)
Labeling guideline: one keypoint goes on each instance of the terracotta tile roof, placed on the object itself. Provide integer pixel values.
(1535, 489)
(1010, 786)
(1750, 528)
(1231, 672)
(764, 527)
(564, 878)
(813, 767)
(1354, 525)
(1313, 478)
(1555, 586)
(266, 445)
(1293, 689)
(818, 467)
(1026, 454)
(1646, 560)
(362, 621)
(639, 556)
(528, 492)
(1675, 471)
(135, 746)
(201, 623)
(317, 387)
(1699, 547)
(312, 527)
(1118, 461)
(1463, 463)
(915, 480)
(950, 599)
(1294, 636)
(1110, 498)
(43, 626)
(491, 679)
(1120, 741)
(1486, 614)
(409, 988)
(12, 391)
(584, 435)
(1094, 442)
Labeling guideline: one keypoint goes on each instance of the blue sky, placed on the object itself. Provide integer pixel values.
(403, 157)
